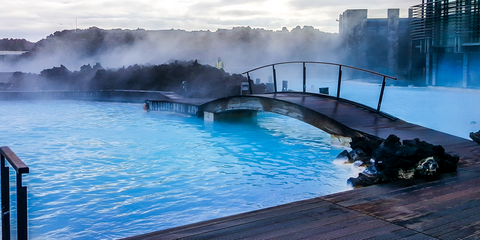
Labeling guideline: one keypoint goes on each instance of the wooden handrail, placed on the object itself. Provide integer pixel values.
(15, 162)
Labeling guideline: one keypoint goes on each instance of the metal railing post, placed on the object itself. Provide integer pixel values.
(249, 84)
(274, 78)
(5, 200)
(339, 80)
(22, 226)
(381, 95)
(20, 168)
(304, 78)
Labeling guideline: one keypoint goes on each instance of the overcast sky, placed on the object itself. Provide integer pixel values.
(36, 19)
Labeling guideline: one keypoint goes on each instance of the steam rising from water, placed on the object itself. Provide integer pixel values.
(240, 48)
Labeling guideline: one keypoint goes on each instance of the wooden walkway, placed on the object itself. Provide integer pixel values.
(447, 207)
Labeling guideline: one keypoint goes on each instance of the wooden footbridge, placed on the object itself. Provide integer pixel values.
(447, 207)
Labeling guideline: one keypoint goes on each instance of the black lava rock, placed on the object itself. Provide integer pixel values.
(392, 159)
(368, 145)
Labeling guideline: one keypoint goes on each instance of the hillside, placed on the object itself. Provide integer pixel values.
(240, 48)
(11, 44)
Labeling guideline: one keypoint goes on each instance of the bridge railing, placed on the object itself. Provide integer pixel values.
(339, 82)
(20, 168)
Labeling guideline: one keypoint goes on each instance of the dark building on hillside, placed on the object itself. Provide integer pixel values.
(439, 44)
(446, 42)
(377, 44)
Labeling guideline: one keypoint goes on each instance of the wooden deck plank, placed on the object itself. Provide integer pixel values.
(347, 228)
(455, 228)
(379, 191)
(429, 219)
(360, 200)
(374, 232)
(290, 228)
(234, 230)
(472, 237)
(371, 191)
(436, 193)
(379, 195)
(206, 226)
(408, 212)
(419, 236)
(320, 231)
(398, 234)
(436, 219)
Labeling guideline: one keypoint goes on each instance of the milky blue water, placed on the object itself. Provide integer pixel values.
(108, 170)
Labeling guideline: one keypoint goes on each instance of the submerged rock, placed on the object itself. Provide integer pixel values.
(342, 158)
(359, 155)
(353, 156)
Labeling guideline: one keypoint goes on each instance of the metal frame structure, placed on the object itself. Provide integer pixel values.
(446, 23)
(324, 63)
(20, 168)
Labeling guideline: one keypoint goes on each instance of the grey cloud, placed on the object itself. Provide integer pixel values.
(198, 15)
(216, 6)
(242, 13)
(202, 8)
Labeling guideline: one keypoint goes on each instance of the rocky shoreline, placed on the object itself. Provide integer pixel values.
(391, 159)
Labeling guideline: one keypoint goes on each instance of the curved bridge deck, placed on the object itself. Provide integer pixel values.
(447, 207)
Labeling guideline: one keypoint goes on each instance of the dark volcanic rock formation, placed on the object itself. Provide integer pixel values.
(391, 159)
(201, 80)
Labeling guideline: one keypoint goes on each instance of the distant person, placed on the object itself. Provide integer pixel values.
(146, 106)
(219, 63)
